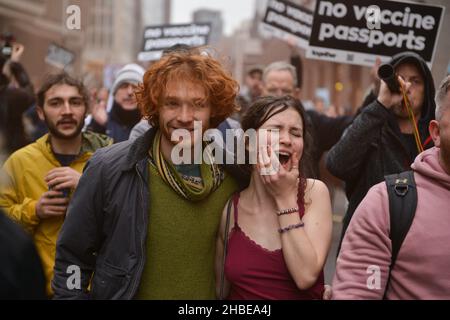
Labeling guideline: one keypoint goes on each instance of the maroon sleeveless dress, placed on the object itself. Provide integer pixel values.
(256, 273)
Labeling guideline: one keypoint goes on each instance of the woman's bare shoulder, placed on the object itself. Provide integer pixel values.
(316, 189)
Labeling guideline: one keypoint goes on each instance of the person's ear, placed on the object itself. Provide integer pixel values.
(40, 112)
(433, 128)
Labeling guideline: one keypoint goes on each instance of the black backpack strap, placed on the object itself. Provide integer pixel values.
(402, 207)
(402, 194)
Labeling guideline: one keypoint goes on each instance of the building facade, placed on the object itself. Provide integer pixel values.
(110, 32)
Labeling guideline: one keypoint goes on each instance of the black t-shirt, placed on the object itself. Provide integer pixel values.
(65, 159)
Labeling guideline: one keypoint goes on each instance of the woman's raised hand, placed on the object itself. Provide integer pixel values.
(280, 182)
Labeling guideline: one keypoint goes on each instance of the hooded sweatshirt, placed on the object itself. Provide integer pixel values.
(422, 268)
(428, 107)
(26, 169)
(373, 145)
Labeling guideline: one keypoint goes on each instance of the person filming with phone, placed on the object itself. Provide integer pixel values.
(388, 134)
(16, 94)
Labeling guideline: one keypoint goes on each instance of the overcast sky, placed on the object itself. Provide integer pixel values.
(233, 11)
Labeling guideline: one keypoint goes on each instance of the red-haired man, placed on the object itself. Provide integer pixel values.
(139, 226)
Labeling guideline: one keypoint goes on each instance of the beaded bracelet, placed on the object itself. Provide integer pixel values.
(287, 211)
(293, 226)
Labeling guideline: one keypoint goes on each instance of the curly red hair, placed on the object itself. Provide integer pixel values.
(193, 66)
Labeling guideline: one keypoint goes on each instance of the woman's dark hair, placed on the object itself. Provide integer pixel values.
(265, 108)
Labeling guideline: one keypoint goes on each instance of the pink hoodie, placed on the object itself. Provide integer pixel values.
(422, 269)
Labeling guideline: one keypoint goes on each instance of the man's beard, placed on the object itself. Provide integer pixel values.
(53, 129)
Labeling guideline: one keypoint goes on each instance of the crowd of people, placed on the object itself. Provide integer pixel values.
(102, 210)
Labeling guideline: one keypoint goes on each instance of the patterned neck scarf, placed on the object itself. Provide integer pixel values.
(188, 187)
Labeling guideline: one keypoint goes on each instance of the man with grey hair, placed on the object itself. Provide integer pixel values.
(279, 79)
(442, 97)
(442, 123)
(422, 263)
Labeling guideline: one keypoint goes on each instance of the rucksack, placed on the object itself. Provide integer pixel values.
(402, 192)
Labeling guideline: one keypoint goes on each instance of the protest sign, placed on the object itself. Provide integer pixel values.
(286, 20)
(58, 56)
(159, 38)
(358, 31)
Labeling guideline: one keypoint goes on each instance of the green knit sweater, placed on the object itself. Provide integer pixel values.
(181, 242)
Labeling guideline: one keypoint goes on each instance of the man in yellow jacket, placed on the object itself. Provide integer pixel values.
(42, 175)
